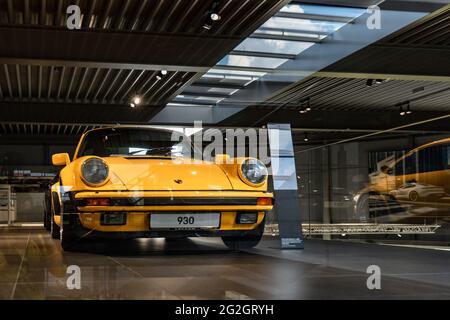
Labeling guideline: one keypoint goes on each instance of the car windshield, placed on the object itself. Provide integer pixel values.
(135, 142)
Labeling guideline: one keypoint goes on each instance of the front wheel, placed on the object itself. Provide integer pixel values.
(248, 241)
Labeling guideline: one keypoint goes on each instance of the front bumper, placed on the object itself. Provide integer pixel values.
(139, 207)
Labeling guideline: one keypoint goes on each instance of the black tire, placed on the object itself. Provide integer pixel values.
(248, 241)
(69, 241)
(54, 229)
(47, 221)
(414, 196)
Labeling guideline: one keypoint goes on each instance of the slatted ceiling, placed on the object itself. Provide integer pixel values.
(433, 30)
(87, 85)
(354, 95)
(152, 31)
(70, 129)
(181, 16)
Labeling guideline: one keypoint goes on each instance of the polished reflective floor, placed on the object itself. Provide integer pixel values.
(33, 266)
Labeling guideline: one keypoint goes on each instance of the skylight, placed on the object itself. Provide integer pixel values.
(294, 29)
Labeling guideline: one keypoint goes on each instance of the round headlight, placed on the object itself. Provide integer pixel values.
(253, 171)
(95, 171)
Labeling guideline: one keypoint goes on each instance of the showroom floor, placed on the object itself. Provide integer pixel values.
(33, 266)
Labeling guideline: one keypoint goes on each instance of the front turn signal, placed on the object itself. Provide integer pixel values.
(98, 202)
(264, 201)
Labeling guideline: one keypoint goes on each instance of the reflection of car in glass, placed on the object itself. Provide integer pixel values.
(128, 182)
(416, 191)
(423, 173)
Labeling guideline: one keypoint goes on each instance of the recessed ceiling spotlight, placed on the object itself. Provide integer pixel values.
(137, 100)
(132, 105)
(215, 16)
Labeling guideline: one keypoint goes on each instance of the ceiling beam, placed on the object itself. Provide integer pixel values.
(263, 54)
(405, 77)
(117, 47)
(314, 17)
(223, 85)
(401, 59)
(260, 35)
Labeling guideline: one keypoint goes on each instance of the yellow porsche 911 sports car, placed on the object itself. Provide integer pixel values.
(134, 182)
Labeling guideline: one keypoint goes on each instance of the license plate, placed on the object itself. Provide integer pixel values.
(184, 220)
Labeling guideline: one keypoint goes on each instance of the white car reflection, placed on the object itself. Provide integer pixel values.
(415, 191)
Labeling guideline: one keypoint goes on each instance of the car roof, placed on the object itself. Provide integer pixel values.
(128, 127)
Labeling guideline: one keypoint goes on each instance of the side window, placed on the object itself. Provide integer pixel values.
(399, 168)
(408, 165)
(447, 157)
(433, 159)
(411, 166)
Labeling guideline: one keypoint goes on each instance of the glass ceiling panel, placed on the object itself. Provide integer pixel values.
(245, 61)
(323, 10)
(292, 24)
(273, 46)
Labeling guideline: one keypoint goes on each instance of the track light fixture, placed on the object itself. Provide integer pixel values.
(132, 105)
(212, 15)
(161, 74)
(405, 108)
(306, 139)
(371, 82)
(308, 105)
(305, 106)
(408, 108)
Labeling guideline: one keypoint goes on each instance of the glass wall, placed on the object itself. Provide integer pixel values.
(393, 186)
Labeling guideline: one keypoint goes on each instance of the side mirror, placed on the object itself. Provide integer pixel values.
(61, 159)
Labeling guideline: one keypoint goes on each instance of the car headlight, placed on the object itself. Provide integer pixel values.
(95, 171)
(253, 172)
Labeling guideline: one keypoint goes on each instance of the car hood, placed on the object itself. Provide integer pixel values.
(167, 174)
